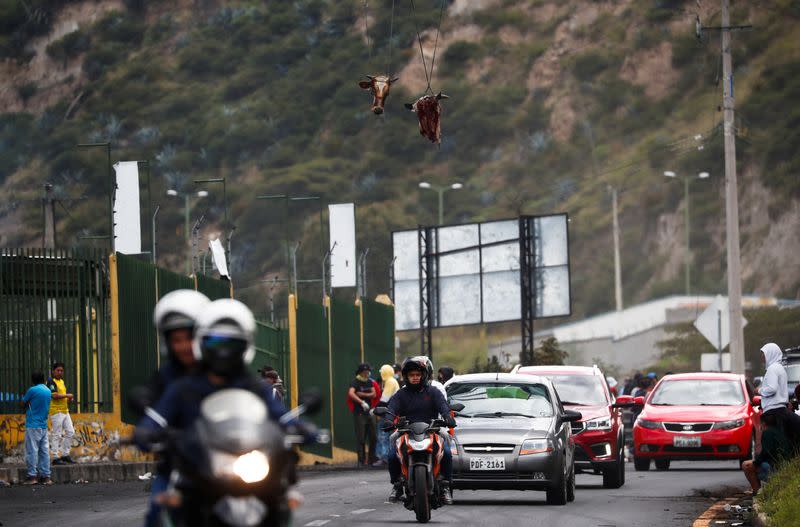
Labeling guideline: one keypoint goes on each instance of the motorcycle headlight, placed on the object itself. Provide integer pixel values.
(650, 425)
(535, 446)
(729, 425)
(601, 423)
(420, 445)
(252, 467)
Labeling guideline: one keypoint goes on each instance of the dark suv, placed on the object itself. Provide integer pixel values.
(599, 435)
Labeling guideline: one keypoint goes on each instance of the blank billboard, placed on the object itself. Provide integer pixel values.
(477, 273)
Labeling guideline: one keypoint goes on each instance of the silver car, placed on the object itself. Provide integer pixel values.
(513, 433)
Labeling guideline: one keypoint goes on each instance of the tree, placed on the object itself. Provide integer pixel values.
(547, 354)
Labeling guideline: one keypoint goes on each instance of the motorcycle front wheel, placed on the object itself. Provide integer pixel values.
(422, 504)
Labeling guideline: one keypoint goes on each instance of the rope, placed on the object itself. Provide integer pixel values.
(419, 40)
(366, 28)
(428, 77)
(391, 43)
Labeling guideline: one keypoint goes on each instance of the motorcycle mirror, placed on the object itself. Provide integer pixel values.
(380, 411)
(138, 400)
(312, 401)
(457, 407)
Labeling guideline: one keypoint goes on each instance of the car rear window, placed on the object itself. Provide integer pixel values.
(698, 392)
(498, 399)
(583, 390)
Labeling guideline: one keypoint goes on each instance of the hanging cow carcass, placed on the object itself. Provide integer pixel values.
(429, 113)
(379, 85)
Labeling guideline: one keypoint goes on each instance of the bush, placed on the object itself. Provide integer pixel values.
(779, 495)
(69, 46)
(26, 91)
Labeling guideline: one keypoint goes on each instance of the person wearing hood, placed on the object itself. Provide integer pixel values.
(774, 392)
(389, 386)
(360, 395)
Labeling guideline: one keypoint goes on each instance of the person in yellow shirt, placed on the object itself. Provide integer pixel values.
(61, 423)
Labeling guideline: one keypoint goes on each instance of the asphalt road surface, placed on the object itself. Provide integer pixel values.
(350, 498)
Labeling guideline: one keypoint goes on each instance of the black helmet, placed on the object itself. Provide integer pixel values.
(420, 363)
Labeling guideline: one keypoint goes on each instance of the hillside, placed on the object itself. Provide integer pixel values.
(551, 101)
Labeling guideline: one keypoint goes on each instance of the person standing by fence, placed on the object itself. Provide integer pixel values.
(389, 387)
(360, 395)
(37, 454)
(62, 429)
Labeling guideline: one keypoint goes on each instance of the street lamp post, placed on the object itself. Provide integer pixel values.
(686, 179)
(111, 187)
(440, 190)
(225, 211)
(186, 210)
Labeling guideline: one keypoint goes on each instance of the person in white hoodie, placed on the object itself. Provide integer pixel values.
(774, 388)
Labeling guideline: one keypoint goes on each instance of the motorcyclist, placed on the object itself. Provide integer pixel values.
(418, 401)
(174, 318)
(224, 345)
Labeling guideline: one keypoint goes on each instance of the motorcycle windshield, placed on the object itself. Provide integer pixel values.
(233, 403)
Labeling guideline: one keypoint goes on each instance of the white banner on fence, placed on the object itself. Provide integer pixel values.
(342, 219)
(218, 252)
(127, 214)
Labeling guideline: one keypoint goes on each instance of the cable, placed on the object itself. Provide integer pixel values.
(419, 40)
(391, 42)
(366, 28)
(436, 43)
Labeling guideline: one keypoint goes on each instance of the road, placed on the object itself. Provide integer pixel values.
(349, 498)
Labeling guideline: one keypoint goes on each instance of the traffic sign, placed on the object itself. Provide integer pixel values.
(714, 323)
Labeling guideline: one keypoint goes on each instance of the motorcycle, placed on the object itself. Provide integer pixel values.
(420, 448)
(234, 467)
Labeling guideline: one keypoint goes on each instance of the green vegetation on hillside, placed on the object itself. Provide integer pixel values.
(265, 95)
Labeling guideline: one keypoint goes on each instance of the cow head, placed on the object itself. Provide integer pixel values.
(379, 86)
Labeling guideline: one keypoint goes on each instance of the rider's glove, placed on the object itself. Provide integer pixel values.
(365, 406)
(450, 421)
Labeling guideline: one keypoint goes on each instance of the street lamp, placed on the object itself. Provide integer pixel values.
(440, 191)
(686, 179)
(225, 210)
(186, 209)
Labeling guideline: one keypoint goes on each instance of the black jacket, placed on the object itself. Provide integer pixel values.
(418, 405)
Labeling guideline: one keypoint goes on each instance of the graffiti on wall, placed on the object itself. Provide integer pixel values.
(98, 437)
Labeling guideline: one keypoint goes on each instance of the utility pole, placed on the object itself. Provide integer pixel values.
(731, 199)
(49, 217)
(617, 264)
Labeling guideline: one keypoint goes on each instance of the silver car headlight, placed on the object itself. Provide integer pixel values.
(535, 446)
(601, 423)
(729, 425)
(250, 468)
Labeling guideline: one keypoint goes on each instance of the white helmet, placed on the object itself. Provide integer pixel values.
(178, 310)
(224, 338)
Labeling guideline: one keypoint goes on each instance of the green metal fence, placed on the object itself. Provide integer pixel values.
(140, 286)
(378, 320)
(346, 356)
(313, 363)
(272, 349)
(54, 306)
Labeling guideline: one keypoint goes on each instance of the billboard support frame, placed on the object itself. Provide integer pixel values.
(527, 255)
(426, 274)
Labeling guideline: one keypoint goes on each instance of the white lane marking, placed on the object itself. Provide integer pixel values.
(362, 511)
(317, 523)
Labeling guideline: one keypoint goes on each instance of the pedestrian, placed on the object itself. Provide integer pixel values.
(271, 376)
(360, 396)
(775, 449)
(37, 401)
(398, 375)
(61, 423)
(774, 392)
(444, 374)
(389, 387)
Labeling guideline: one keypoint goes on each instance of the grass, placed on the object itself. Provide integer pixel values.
(778, 497)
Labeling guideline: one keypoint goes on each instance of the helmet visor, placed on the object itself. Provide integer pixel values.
(224, 345)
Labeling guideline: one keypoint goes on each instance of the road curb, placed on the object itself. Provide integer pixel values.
(83, 472)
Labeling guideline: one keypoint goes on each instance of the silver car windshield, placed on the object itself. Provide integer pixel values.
(793, 373)
(233, 403)
(698, 392)
(582, 390)
(499, 399)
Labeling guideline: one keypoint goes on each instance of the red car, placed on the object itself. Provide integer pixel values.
(599, 444)
(696, 416)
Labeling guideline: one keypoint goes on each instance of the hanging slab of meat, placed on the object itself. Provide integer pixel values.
(379, 85)
(429, 113)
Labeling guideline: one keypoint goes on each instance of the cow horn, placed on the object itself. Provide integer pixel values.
(395, 79)
(409, 106)
(441, 95)
(370, 77)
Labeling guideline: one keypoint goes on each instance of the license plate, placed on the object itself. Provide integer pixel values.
(487, 463)
(686, 441)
